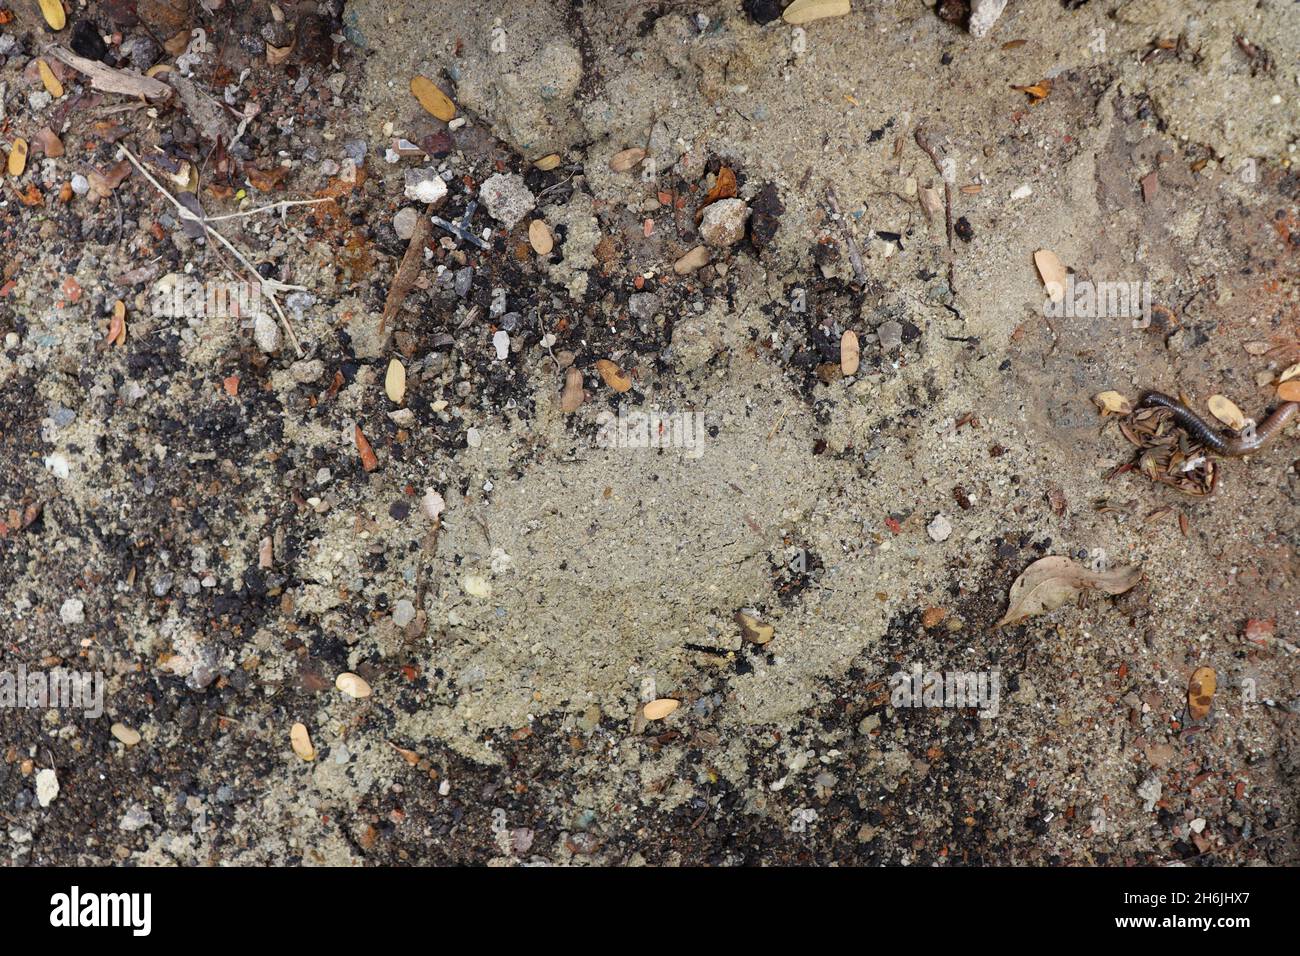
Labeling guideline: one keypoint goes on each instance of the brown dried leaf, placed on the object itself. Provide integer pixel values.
(434, 100)
(850, 352)
(1050, 582)
(1112, 403)
(625, 159)
(1226, 411)
(368, 460)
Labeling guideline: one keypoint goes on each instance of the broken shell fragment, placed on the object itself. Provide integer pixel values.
(352, 685)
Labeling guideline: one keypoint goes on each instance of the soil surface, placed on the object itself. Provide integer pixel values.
(686, 211)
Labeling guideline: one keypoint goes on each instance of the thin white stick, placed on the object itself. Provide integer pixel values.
(268, 286)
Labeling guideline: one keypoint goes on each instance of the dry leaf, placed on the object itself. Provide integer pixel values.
(52, 11)
(1200, 692)
(1226, 411)
(1112, 403)
(661, 708)
(18, 157)
(1036, 93)
(752, 631)
(724, 187)
(50, 81)
(49, 142)
(805, 11)
(276, 55)
(395, 382)
(433, 99)
(1050, 582)
(368, 460)
(300, 740)
(931, 204)
(1289, 391)
(850, 353)
(540, 238)
(109, 80)
(1290, 372)
(613, 376)
(1052, 273)
(625, 159)
(547, 162)
(117, 325)
(572, 396)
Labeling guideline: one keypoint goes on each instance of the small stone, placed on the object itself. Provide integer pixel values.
(73, 611)
(695, 259)
(939, 529)
(891, 335)
(724, 221)
(266, 333)
(403, 613)
(507, 198)
(405, 221)
(476, 585)
(432, 505)
(501, 342)
(129, 736)
(1198, 825)
(983, 14)
(307, 370)
(47, 787)
(424, 185)
(643, 305)
(135, 818)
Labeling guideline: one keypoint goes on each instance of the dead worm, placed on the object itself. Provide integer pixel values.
(1230, 443)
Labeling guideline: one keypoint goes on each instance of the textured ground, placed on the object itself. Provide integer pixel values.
(203, 496)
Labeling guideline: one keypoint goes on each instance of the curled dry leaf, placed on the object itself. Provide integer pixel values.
(540, 238)
(1290, 372)
(572, 396)
(625, 159)
(613, 376)
(352, 684)
(1200, 692)
(1112, 403)
(1226, 411)
(433, 99)
(395, 382)
(300, 740)
(276, 55)
(1037, 92)
(1289, 391)
(1050, 582)
(661, 708)
(850, 353)
(724, 187)
(368, 460)
(1052, 273)
(547, 162)
(117, 324)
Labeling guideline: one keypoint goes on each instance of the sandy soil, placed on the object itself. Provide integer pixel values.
(200, 489)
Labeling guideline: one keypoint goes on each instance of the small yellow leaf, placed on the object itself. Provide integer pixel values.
(52, 10)
(18, 157)
(52, 84)
(433, 99)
